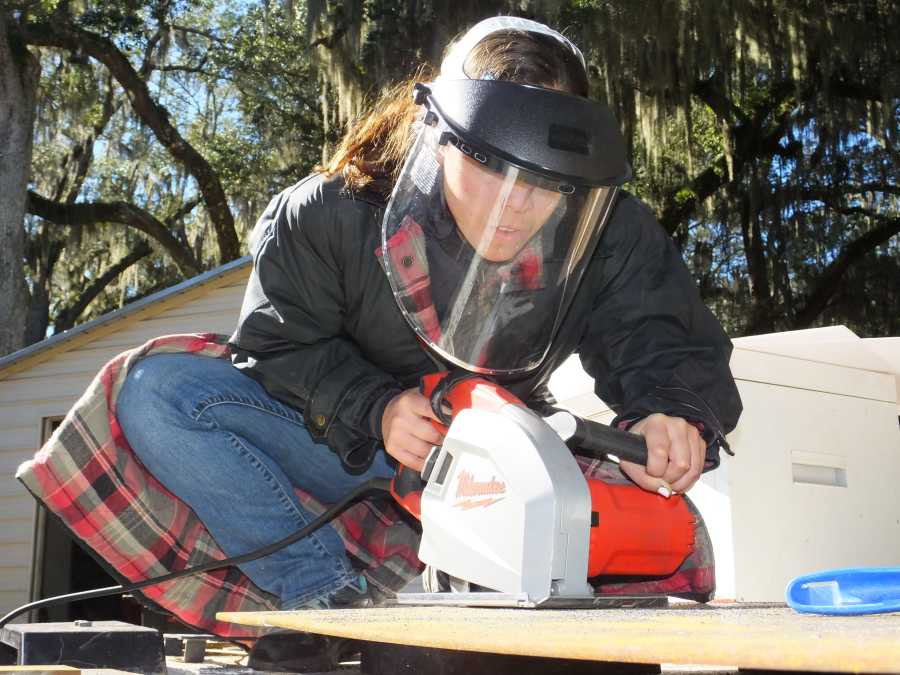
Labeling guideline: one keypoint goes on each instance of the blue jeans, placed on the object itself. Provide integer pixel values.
(216, 439)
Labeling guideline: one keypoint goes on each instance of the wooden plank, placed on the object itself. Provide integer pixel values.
(137, 333)
(32, 412)
(16, 578)
(84, 361)
(15, 555)
(14, 438)
(10, 488)
(223, 300)
(70, 385)
(763, 638)
(9, 600)
(16, 531)
(10, 461)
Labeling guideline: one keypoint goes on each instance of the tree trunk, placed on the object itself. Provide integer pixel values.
(19, 72)
(38, 315)
(752, 215)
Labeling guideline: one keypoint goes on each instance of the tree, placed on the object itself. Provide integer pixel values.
(60, 31)
(18, 84)
(183, 102)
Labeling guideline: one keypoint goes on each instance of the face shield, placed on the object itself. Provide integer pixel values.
(487, 235)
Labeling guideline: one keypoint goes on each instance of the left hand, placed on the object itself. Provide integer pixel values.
(676, 453)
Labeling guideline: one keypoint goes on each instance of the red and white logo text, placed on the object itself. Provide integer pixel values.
(472, 493)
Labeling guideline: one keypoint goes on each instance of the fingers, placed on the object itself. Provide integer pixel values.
(638, 474)
(696, 452)
(676, 454)
(407, 449)
(407, 430)
(680, 451)
(410, 459)
(656, 436)
(421, 429)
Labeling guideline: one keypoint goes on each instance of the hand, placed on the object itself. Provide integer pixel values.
(676, 453)
(406, 428)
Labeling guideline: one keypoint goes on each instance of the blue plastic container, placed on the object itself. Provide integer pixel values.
(847, 591)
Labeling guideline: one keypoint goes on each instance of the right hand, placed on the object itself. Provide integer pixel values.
(407, 429)
(676, 454)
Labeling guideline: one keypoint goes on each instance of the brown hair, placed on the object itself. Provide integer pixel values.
(372, 151)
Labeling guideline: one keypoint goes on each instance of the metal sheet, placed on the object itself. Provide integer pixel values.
(764, 638)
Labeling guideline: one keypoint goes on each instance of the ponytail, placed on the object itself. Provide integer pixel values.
(372, 151)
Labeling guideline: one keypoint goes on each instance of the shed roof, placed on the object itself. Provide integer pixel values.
(44, 349)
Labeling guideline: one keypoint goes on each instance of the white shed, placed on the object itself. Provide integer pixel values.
(813, 481)
(40, 383)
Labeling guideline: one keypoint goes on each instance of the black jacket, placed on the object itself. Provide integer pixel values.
(320, 329)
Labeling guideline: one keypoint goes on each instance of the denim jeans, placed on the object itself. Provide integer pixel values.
(216, 439)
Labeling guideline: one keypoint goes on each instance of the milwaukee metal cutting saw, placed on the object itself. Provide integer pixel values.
(508, 516)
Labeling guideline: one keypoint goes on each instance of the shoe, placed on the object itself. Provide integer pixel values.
(351, 596)
(294, 652)
(360, 594)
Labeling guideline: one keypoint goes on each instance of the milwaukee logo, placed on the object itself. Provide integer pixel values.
(469, 487)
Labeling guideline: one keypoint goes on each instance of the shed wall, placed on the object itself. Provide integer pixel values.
(50, 387)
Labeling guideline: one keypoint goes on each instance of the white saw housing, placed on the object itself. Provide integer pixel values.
(506, 507)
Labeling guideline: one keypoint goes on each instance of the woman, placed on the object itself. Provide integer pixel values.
(488, 256)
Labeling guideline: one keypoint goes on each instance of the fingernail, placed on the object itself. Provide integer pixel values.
(664, 490)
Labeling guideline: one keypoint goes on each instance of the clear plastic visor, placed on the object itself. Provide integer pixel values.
(483, 256)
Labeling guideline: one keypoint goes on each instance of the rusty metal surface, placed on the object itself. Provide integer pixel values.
(748, 637)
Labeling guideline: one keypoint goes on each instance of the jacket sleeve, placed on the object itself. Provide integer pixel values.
(651, 345)
(290, 333)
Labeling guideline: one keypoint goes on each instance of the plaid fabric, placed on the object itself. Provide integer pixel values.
(88, 476)
(407, 251)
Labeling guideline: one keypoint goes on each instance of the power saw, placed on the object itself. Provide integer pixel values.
(510, 519)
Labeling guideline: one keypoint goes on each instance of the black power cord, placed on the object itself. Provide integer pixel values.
(372, 485)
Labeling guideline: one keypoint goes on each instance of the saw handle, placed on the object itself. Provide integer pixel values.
(593, 439)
